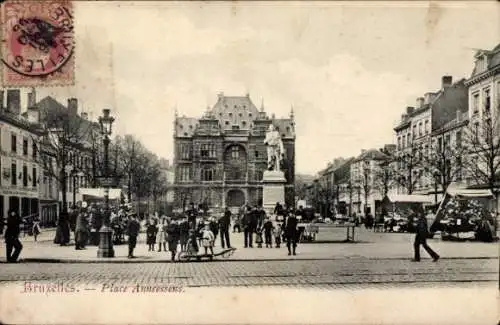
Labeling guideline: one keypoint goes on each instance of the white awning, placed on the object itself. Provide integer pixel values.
(114, 193)
(469, 193)
(406, 198)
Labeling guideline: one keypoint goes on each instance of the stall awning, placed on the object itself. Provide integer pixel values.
(114, 193)
(407, 198)
(469, 193)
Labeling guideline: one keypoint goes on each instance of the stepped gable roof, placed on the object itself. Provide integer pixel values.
(235, 111)
(285, 127)
(372, 154)
(185, 126)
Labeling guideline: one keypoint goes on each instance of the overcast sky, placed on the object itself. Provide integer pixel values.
(349, 70)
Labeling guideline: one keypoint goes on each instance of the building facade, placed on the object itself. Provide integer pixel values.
(484, 117)
(413, 134)
(220, 158)
(20, 171)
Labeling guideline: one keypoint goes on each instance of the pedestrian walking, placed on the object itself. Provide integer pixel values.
(133, 228)
(173, 234)
(208, 239)
(277, 232)
(214, 227)
(36, 228)
(224, 224)
(268, 233)
(81, 230)
(12, 243)
(422, 232)
(151, 232)
(291, 233)
(162, 235)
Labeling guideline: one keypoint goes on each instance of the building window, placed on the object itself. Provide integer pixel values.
(13, 143)
(256, 153)
(458, 139)
(34, 149)
(475, 103)
(404, 142)
(420, 129)
(447, 141)
(427, 129)
(408, 140)
(13, 174)
(185, 173)
(25, 176)
(25, 147)
(185, 151)
(440, 144)
(487, 101)
(235, 153)
(34, 175)
(207, 174)
(414, 131)
(207, 151)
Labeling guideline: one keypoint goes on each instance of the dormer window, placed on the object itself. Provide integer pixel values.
(230, 114)
(240, 115)
(185, 134)
(249, 114)
(243, 123)
(227, 123)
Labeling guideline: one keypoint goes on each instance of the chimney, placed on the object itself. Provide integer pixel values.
(446, 81)
(32, 98)
(420, 102)
(221, 95)
(1, 99)
(73, 106)
(14, 101)
(403, 117)
(428, 98)
(410, 110)
(85, 115)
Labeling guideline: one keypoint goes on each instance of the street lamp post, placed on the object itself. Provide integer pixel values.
(74, 175)
(105, 233)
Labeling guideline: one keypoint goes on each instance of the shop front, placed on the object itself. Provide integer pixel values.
(25, 202)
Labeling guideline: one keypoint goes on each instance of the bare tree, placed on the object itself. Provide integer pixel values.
(409, 170)
(444, 163)
(482, 139)
(383, 178)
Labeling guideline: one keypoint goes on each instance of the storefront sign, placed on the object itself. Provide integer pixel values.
(7, 192)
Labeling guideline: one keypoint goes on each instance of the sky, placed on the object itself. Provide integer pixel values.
(348, 69)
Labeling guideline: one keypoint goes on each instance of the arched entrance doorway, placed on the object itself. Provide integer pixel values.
(235, 198)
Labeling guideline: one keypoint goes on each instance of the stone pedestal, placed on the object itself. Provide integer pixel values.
(273, 189)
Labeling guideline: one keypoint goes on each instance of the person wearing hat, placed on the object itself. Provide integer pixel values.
(291, 233)
(12, 236)
(81, 228)
(133, 228)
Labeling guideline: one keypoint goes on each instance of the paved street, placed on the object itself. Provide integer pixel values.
(379, 260)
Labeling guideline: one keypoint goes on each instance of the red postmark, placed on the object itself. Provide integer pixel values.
(37, 43)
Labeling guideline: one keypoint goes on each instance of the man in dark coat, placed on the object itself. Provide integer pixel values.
(279, 211)
(249, 226)
(173, 232)
(291, 233)
(192, 214)
(12, 237)
(422, 231)
(224, 224)
(133, 228)
(81, 230)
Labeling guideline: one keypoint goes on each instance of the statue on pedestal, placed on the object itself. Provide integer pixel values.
(275, 149)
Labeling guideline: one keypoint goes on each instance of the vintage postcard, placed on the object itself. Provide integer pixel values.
(249, 162)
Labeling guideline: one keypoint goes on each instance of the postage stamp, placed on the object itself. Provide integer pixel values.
(37, 43)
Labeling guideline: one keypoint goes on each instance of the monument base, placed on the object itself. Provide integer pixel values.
(273, 190)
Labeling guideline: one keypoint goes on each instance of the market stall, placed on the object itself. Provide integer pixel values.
(466, 211)
(395, 211)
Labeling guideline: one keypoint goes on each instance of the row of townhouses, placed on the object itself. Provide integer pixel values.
(432, 150)
(30, 161)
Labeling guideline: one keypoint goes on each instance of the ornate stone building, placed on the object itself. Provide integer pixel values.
(220, 158)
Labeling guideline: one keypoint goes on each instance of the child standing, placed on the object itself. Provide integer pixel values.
(151, 232)
(208, 239)
(36, 228)
(258, 236)
(278, 232)
(162, 238)
(268, 228)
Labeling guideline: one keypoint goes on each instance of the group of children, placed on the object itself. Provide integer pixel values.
(270, 230)
(178, 232)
